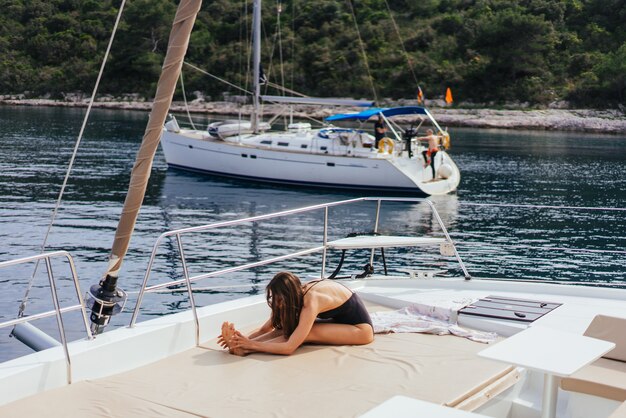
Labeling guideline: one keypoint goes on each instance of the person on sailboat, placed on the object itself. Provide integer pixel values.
(320, 312)
(379, 130)
(433, 148)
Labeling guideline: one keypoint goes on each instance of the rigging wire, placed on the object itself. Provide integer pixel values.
(182, 86)
(280, 43)
(73, 158)
(216, 77)
(285, 89)
(362, 45)
(247, 45)
(242, 17)
(293, 41)
(406, 54)
(280, 47)
(269, 83)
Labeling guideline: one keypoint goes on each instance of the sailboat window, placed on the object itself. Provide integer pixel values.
(304, 146)
(266, 142)
(323, 148)
(244, 155)
(283, 144)
(253, 157)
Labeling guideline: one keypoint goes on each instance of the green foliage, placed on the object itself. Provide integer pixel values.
(496, 51)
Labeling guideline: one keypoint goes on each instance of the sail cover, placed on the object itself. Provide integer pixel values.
(387, 112)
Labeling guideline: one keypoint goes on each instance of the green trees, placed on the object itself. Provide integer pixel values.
(534, 51)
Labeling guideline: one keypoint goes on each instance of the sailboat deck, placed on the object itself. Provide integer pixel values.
(315, 381)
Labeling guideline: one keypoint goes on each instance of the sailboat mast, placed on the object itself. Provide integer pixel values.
(105, 295)
(256, 63)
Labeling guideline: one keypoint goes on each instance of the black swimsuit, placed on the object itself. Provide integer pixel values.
(351, 312)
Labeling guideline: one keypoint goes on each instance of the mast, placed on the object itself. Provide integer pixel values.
(256, 64)
(106, 297)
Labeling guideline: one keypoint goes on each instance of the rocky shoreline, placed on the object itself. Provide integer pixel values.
(579, 120)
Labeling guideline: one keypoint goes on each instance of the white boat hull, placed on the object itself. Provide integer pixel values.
(191, 150)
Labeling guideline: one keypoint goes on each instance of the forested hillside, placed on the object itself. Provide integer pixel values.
(487, 51)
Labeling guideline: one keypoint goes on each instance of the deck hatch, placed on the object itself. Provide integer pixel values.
(520, 310)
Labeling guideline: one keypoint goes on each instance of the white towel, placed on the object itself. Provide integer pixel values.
(410, 320)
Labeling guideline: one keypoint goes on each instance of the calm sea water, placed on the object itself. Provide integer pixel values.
(503, 167)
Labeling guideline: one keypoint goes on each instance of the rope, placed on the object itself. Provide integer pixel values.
(512, 205)
(406, 54)
(182, 86)
(216, 77)
(362, 45)
(73, 158)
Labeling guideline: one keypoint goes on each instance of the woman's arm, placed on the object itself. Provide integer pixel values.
(265, 328)
(307, 319)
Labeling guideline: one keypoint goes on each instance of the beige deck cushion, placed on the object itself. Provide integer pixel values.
(610, 328)
(316, 381)
(604, 378)
(87, 399)
(619, 412)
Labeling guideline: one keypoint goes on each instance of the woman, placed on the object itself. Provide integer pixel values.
(321, 311)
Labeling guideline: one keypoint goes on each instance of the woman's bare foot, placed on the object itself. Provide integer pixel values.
(228, 330)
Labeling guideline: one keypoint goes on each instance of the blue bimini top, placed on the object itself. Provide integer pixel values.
(387, 112)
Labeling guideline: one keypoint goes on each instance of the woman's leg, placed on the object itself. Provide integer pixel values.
(340, 334)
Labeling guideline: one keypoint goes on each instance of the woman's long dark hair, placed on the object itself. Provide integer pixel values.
(285, 297)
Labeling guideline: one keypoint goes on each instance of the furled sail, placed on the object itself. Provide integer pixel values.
(105, 295)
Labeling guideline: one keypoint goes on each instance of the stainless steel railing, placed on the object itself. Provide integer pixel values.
(58, 311)
(322, 248)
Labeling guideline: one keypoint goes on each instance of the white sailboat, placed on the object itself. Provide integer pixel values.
(330, 157)
(560, 350)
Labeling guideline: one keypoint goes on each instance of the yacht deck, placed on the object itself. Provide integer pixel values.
(315, 381)
(153, 371)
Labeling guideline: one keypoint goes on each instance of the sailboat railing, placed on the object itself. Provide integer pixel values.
(58, 311)
(188, 280)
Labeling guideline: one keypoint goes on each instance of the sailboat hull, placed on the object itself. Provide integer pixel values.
(381, 172)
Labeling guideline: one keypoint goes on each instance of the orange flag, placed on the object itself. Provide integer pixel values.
(420, 96)
(449, 96)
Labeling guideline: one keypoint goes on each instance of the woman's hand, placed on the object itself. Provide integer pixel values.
(222, 342)
(240, 341)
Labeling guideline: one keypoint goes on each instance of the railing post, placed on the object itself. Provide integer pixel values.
(449, 240)
(55, 300)
(146, 277)
(79, 295)
(189, 290)
(378, 203)
(325, 241)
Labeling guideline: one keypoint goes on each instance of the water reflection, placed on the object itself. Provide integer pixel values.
(497, 167)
